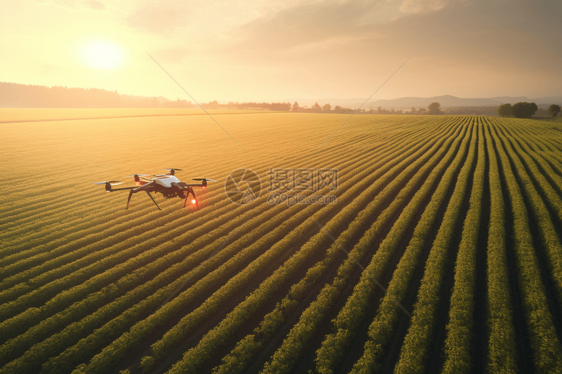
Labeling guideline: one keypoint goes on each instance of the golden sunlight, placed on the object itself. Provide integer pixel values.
(101, 54)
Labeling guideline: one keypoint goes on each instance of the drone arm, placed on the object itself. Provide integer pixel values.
(122, 189)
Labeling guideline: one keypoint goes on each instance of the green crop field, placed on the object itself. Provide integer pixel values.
(442, 252)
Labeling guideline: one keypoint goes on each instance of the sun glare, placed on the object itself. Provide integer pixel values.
(102, 55)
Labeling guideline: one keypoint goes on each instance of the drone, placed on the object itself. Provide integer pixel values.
(166, 184)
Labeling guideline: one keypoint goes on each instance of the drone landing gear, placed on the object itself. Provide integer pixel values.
(149, 195)
(129, 199)
(190, 191)
(151, 198)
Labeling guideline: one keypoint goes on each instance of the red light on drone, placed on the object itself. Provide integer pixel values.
(193, 201)
(138, 183)
(204, 187)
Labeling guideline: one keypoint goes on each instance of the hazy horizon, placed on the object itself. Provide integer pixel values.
(264, 51)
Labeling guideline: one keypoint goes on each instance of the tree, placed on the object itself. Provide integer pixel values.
(505, 110)
(554, 110)
(524, 109)
(280, 106)
(316, 107)
(413, 110)
(295, 107)
(327, 108)
(434, 108)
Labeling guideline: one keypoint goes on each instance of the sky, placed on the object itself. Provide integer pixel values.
(263, 50)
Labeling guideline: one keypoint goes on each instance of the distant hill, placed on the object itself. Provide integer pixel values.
(446, 101)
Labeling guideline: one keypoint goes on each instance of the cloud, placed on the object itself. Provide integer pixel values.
(431, 24)
(159, 17)
(465, 47)
(319, 24)
(315, 24)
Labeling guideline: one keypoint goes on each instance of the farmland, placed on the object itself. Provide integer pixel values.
(441, 254)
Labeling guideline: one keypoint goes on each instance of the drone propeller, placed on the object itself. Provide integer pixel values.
(137, 176)
(204, 181)
(173, 170)
(108, 184)
(112, 183)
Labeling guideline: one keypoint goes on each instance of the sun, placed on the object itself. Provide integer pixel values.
(102, 55)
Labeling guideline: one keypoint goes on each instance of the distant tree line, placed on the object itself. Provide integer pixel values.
(250, 105)
(525, 110)
(433, 108)
(13, 95)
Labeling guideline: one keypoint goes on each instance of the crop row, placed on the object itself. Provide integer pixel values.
(546, 226)
(95, 276)
(179, 225)
(352, 314)
(54, 218)
(197, 355)
(238, 359)
(501, 331)
(414, 351)
(138, 331)
(77, 196)
(367, 138)
(382, 328)
(221, 333)
(271, 225)
(98, 317)
(547, 351)
(171, 260)
(460, 326)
